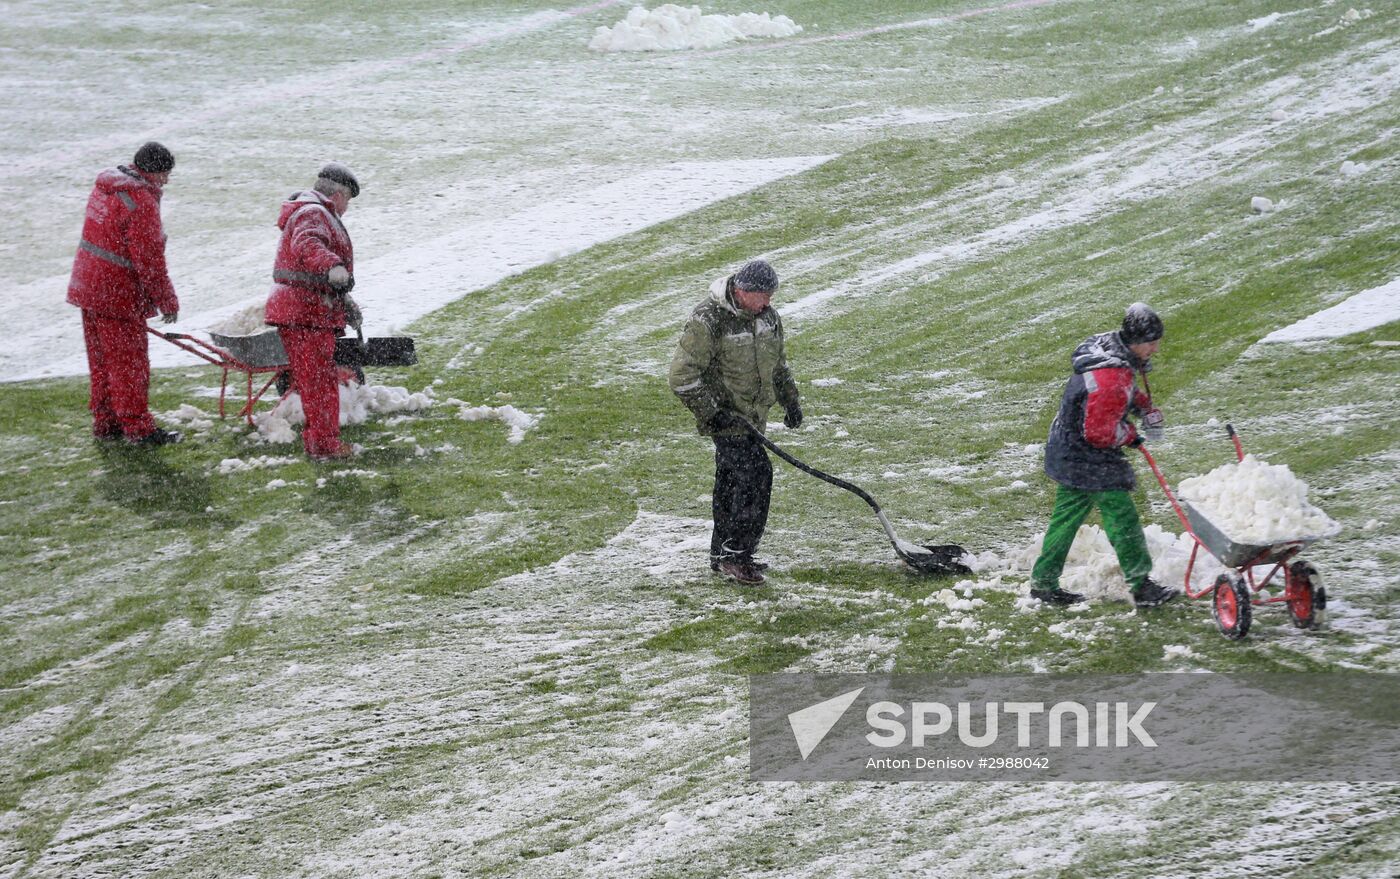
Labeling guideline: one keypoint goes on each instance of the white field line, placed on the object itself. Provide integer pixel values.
(1363, 311)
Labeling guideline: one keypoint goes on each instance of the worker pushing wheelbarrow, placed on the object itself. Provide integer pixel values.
(1253, 565)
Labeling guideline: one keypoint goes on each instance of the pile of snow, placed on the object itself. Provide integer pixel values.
(1351, 169)
(191, 417)
(949, 599)
(1092, 566)
(1257, 503)
(357, 403)
(517, 421)
(1351, 16)
(244, 322)
(238, 465)
(1261, 205)
(684, 27)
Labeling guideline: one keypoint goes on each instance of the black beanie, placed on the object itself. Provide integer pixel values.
(153, 158)
(1141, 324)
(338, 173)
(756, 275)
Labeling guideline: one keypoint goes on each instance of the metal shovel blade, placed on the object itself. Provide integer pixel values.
(946, 558)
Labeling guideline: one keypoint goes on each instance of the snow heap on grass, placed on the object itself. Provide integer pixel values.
(357, 403)
(517, 421)
(684, 27)
(1257, 503)
(238, 465)
(191, 417)
(244, 322)
(1092, 566)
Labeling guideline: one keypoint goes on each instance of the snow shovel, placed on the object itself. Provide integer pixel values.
(942, 559)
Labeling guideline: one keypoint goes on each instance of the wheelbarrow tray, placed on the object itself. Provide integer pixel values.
(258, 349)
(1232, 554)
(265, 349)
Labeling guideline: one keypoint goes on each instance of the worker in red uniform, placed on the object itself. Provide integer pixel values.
(310, 301)
(119, 280)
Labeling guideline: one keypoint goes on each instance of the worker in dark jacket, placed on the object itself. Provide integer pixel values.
(310, 302)
(119, 280)
(1084, 455)
(729, 369)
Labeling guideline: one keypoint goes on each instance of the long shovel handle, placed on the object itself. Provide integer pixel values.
(805, 468)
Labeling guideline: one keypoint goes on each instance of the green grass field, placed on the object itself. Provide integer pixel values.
(496, 659)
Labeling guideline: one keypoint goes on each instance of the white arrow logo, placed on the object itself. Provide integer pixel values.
(811, 724)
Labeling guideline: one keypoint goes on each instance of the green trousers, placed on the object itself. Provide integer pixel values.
(1120, 523)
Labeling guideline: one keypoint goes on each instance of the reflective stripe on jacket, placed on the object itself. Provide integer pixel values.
(119, 270)
(313, 242)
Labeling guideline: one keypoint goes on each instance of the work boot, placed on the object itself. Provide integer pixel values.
(1055, 595)
(341, 452)
(1152, 594)
(158, 437)
(739, 571)
(751, 562)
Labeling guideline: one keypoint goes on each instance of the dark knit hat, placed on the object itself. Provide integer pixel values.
(338, 173)
(756, 275)
(153, 158)
(1140, 324)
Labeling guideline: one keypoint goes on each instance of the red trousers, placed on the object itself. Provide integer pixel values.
(120, 370)
(311, 355)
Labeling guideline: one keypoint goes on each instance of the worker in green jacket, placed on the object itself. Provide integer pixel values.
(729, 369)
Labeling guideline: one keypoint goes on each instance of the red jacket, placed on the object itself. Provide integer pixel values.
(313, 242)
(1086, 437)
(119, 271)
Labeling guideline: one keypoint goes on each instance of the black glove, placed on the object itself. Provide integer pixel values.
(1154, 425)
(1136, 441)
(724, 420)
(793, 419)
(352, 314)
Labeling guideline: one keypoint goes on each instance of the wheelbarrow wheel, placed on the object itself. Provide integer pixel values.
(1306, 597)
(1231, 607)
(284, 382)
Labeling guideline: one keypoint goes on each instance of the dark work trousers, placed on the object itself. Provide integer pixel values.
(743, 485)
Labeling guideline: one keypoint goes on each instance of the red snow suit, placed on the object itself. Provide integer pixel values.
(119, 279)
(308, 312)
(313, 242)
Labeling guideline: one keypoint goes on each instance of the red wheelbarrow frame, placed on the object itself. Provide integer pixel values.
(228, 363)
(1298, 592)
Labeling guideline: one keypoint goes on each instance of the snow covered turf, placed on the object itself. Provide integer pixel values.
(460, 655)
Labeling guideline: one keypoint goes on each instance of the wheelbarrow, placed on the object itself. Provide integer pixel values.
(262, 354)
(1235, 593)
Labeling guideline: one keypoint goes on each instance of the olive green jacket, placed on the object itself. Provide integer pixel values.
(730, 359)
